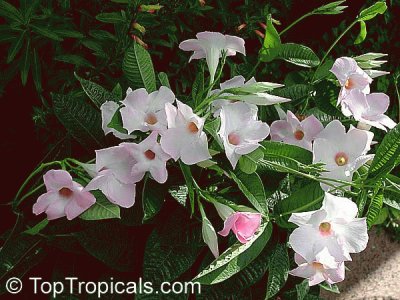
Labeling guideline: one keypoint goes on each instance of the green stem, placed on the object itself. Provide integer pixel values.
(253, 71)
(27, 195)
(333, 46)
(302, 208)
(295, 22)
(397, 92)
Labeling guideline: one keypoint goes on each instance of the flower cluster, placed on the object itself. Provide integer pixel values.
(167, 130)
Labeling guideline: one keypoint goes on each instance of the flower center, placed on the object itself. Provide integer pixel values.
(318, 266)
(349, 84)
(192, 127)
(151, 119)
(234, 139)
(298, 135)
(341, 159)
(150, 155)
(325, 228)
(65, 192)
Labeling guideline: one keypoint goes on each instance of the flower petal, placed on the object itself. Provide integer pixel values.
(55, 180)
(78, 204)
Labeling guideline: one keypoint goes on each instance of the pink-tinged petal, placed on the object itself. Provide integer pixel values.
(108, 110)
(223, 211)
(324, 151)
(339, 207)
(353, 235)
(159, 173)
(55, 180)
(302, 218)
(138, 100)
(303, 271)
(336, 174)
(236, 44)
(292, 120)
(133, 119)
(357, 143)
(232, 156)
(234, 82)
(360, 80)
(228, 224)
(246, 148)
(246, 226)
(378, 103)
(171, 113)
(312, 127)
(316, 279)
(333, 131)
(138, 171)
(336, 275)
(257, 131)
(195, 150)
(197, 54)
(90, 169)
(78, 204)
(343, 67)
(56, 209)
(190, 45)
(326, 259)
(383, 121)
(158, 99)
(172, 141)
(44, 201)
(298, 259)
(280, 129)
(262, 99)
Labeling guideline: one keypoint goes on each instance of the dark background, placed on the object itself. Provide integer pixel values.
(22, 146)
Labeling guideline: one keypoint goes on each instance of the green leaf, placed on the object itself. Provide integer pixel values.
(294, 92)
(37, 228)
(307, 198)
(198, 87)
(248, 162)
(187, 174)
(115, 245)
(236, 258)
(95, 92)
(112, 18)
(302, 289)
(374, 208)
(299, 55)
(80, 119)
(102, 35)
(179, 193)
(25, 63)
(387, 155)
(332, 8)
(74, 59)
(117, 92)
(68, 33)
(103, 209)
(46, 32)
(15, 47)
(333, 288)
(372, 11)
(138, 68)
(163, 77)
(153, 197)
(278, 270)
(363, 33)
(36, 71)
(253, 188)
(116, 123)
(172, 248)
(272, 42)
(9, 11)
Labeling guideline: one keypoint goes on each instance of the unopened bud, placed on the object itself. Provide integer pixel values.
(139, 41)
(138, 27)
(202, 2)
(263, 26)
(150, 8)
(259, 33)
(241, 27)
(363, 126)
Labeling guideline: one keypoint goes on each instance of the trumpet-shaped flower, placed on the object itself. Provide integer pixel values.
(108, 110)
(334, 226)
(342, 153)
(64, 197)
(210, 45)
(184, 137)
(149, 157)
(369, 109)
(322, 268)
(295, 132)
(144, 112)
(243, 224)
(240, 131)
(114, 167)
(350, 76)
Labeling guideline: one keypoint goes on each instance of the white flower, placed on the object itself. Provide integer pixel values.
(113, 178)
(342, 153)
(240, 131)
(149, 157)
(292, 131)
(252, 97)
(108, 110)
(369, 109)
(350, 76)
(322, 268)
(184, 137)
(334, 226)
(210, 45)
(143, 111)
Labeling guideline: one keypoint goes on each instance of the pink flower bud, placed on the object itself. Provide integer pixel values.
(243, 224)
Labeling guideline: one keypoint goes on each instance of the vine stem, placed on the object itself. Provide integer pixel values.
(295, 22)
